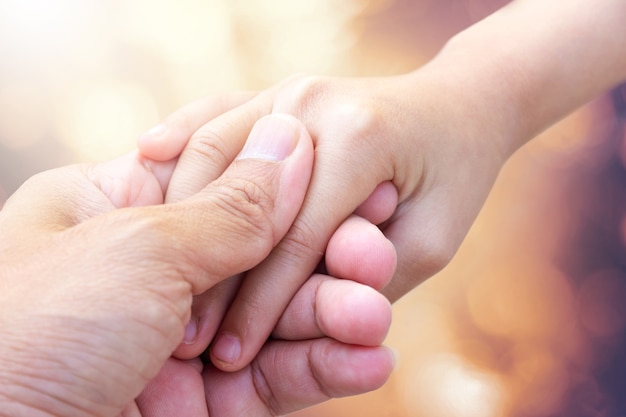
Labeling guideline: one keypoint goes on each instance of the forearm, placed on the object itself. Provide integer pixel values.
(534, 61)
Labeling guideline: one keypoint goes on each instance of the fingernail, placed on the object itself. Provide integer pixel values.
(191, 332)
(272, 138)
(154, 132)
(226, 349)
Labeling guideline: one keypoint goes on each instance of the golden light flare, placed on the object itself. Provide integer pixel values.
(602, 309)
(505, 302)
(278, 38)
(538, 381)
(423, 313)
(443, 384)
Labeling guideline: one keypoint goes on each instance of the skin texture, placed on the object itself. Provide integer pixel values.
(438, 135)
(97, 279)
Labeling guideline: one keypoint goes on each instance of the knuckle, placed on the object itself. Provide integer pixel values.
(138, 228)
(366, 121)
(207, 145)
(304, 83)
(304, 93)
(302, 242)
(250, 205)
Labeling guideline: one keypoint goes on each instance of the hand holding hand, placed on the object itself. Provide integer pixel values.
(439, 135)
(421, 168)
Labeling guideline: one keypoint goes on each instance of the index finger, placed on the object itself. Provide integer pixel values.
(167, 140)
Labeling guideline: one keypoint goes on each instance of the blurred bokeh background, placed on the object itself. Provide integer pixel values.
(530, 317)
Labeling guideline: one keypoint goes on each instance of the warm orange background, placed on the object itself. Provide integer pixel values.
(528, 320)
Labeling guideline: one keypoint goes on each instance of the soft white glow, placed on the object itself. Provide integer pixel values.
(444, 385)
(104, 121)
(24, 118)
(30, 20)
(286, 37)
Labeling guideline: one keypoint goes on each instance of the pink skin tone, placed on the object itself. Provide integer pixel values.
(119, 308)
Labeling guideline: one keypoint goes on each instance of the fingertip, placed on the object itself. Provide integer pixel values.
(352, 313)
(160, 143)
(207, 311)
(195, 341)
(226, 352)
(380, 205)
(344, 370)
(359, 251)
(148, 141)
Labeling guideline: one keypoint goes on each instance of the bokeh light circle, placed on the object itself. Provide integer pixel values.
(103, 121)
(602, 309)
(24, 120)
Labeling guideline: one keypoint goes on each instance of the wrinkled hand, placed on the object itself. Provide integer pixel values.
(95, 299)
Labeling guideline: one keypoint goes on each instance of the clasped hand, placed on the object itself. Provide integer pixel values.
(98, 278)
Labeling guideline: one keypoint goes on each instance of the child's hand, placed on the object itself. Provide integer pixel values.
(439, 135)
(373, 145)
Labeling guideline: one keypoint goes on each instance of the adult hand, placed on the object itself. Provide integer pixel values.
(94, 300)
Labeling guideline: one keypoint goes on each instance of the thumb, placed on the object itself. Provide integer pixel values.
(235, 221)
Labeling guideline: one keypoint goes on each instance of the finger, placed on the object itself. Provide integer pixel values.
(344, 310)
(178, 390)
(207, 311)
(359, 251)
(289, 376)
(131, 180)
(64, 197)
(166, 140)
(380, 205)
